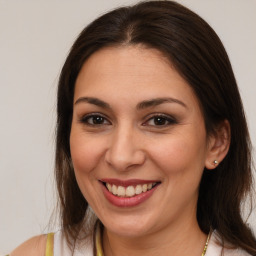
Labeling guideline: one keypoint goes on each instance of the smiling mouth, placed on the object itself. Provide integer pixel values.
(131, 190)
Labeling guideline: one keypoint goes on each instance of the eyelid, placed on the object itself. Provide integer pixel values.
(89, 115)
(168, 118)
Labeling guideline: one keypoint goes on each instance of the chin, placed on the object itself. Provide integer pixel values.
(128, 226)
(128, 231)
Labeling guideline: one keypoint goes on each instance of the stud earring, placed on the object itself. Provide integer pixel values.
(215, 162)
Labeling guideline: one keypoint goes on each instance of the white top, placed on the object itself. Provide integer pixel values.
(61, 248)
(214, 249)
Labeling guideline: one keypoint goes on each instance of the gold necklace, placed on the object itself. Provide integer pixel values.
(206, 244)
(98, 242)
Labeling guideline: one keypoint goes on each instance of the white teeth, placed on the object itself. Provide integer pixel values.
(129, 191)
(114, 189)
(138, 189)
(144, 187)
(121, 191)
(109, 187)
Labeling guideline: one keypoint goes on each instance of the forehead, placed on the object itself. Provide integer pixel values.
(126, 61)
(131, 71)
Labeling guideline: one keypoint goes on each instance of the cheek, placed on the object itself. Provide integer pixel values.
(85, 151)
(180, 154)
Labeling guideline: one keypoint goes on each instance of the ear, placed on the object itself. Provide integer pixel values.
(218, 145)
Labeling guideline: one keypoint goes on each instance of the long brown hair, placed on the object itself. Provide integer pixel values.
(198, 55)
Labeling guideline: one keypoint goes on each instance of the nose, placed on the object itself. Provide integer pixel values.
(125, 150)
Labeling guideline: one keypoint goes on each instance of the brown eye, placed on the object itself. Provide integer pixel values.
(160, 120)
(95, 120)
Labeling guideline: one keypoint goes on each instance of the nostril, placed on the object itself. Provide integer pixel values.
(124, 159)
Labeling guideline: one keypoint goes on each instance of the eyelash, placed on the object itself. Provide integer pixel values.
(162, 118)
(85, 119)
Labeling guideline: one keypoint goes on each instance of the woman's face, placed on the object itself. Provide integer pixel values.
(138, 141)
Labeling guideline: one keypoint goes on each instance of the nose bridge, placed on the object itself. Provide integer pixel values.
(124, 150)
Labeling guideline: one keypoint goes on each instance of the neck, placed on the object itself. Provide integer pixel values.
(181, 239)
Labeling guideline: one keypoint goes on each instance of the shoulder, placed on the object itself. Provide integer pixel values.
(34, 246)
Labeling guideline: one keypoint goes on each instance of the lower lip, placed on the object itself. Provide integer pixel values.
(127, 201)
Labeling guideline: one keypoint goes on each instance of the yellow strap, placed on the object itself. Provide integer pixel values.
(49, 244)
(98, 240)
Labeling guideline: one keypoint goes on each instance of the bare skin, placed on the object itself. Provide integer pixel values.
(187, 241)
(32, 247)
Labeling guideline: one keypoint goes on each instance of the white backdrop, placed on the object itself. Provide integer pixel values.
(35, 36)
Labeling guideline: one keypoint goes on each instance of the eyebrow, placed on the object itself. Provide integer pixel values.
(94, 101)
(141, 105)
(158, 101)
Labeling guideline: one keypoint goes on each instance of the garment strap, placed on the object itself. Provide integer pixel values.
(49, 244)
(98, 235)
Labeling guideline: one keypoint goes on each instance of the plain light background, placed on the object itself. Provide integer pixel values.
(35, 37)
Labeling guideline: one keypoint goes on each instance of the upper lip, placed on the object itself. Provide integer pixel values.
(126, 183)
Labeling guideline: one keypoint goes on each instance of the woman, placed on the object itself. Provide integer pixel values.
(151, 139)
